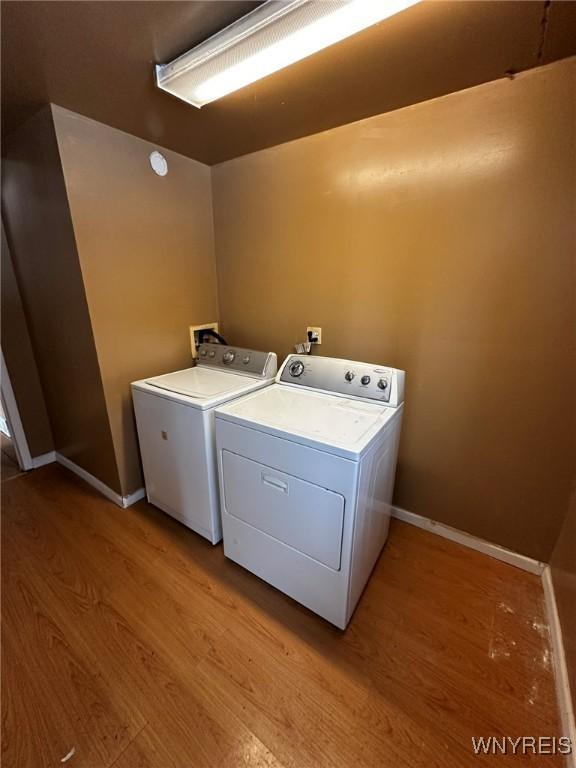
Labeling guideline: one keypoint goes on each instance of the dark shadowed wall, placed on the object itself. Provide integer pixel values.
(41, 239)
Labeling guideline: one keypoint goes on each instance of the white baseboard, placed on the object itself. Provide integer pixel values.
(45, 458)
(90, 479)
(470, 541)
(565, 705)
(132, 498)
(121, 501)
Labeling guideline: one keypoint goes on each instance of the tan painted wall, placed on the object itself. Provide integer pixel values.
(439, 239)
(20, 361)
(146, 250)
(41, 239)
(563, 565)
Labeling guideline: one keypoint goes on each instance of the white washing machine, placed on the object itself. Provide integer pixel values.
(306, 470)
(175, 421)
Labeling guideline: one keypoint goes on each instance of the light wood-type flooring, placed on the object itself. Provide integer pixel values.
(133, 641)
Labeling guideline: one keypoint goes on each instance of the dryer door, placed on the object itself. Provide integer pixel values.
(296, 512)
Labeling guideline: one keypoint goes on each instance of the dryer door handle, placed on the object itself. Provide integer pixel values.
(274, 482)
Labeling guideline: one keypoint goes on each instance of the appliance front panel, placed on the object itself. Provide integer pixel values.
(298, 513)
(317, 586)
(176, 444)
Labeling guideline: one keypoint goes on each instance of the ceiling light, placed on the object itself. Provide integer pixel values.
(273, 36)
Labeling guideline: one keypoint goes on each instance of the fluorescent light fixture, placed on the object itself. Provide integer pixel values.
(271, 37)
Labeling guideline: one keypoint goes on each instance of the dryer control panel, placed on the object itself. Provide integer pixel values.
(364, 381)
(238, 360)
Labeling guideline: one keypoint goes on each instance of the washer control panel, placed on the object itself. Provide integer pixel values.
(248, 361)
(344, 377)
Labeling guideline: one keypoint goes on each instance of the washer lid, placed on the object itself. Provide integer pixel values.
(336, 424)
(198, 383)
(201, 387)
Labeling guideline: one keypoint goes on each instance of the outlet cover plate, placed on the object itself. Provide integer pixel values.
(316, 331)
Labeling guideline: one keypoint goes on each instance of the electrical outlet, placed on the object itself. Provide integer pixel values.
(195, 335)
(316, 334)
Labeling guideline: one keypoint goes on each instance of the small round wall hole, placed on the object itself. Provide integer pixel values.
(158, 163)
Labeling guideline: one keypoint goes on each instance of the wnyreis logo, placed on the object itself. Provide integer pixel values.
(521, 745)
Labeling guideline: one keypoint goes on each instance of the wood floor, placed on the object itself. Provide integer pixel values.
(133, 641)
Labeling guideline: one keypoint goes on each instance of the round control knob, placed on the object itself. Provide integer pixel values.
(349, 375)
(212, 353)
(382, 383)
(365, 380)
(296, 368)
(203, 353)
(246, 359)
(228, 357)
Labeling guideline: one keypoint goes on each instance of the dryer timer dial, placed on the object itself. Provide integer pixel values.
(296, 368)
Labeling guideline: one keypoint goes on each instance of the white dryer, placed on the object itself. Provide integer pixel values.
(175, 421)
(306, 471)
